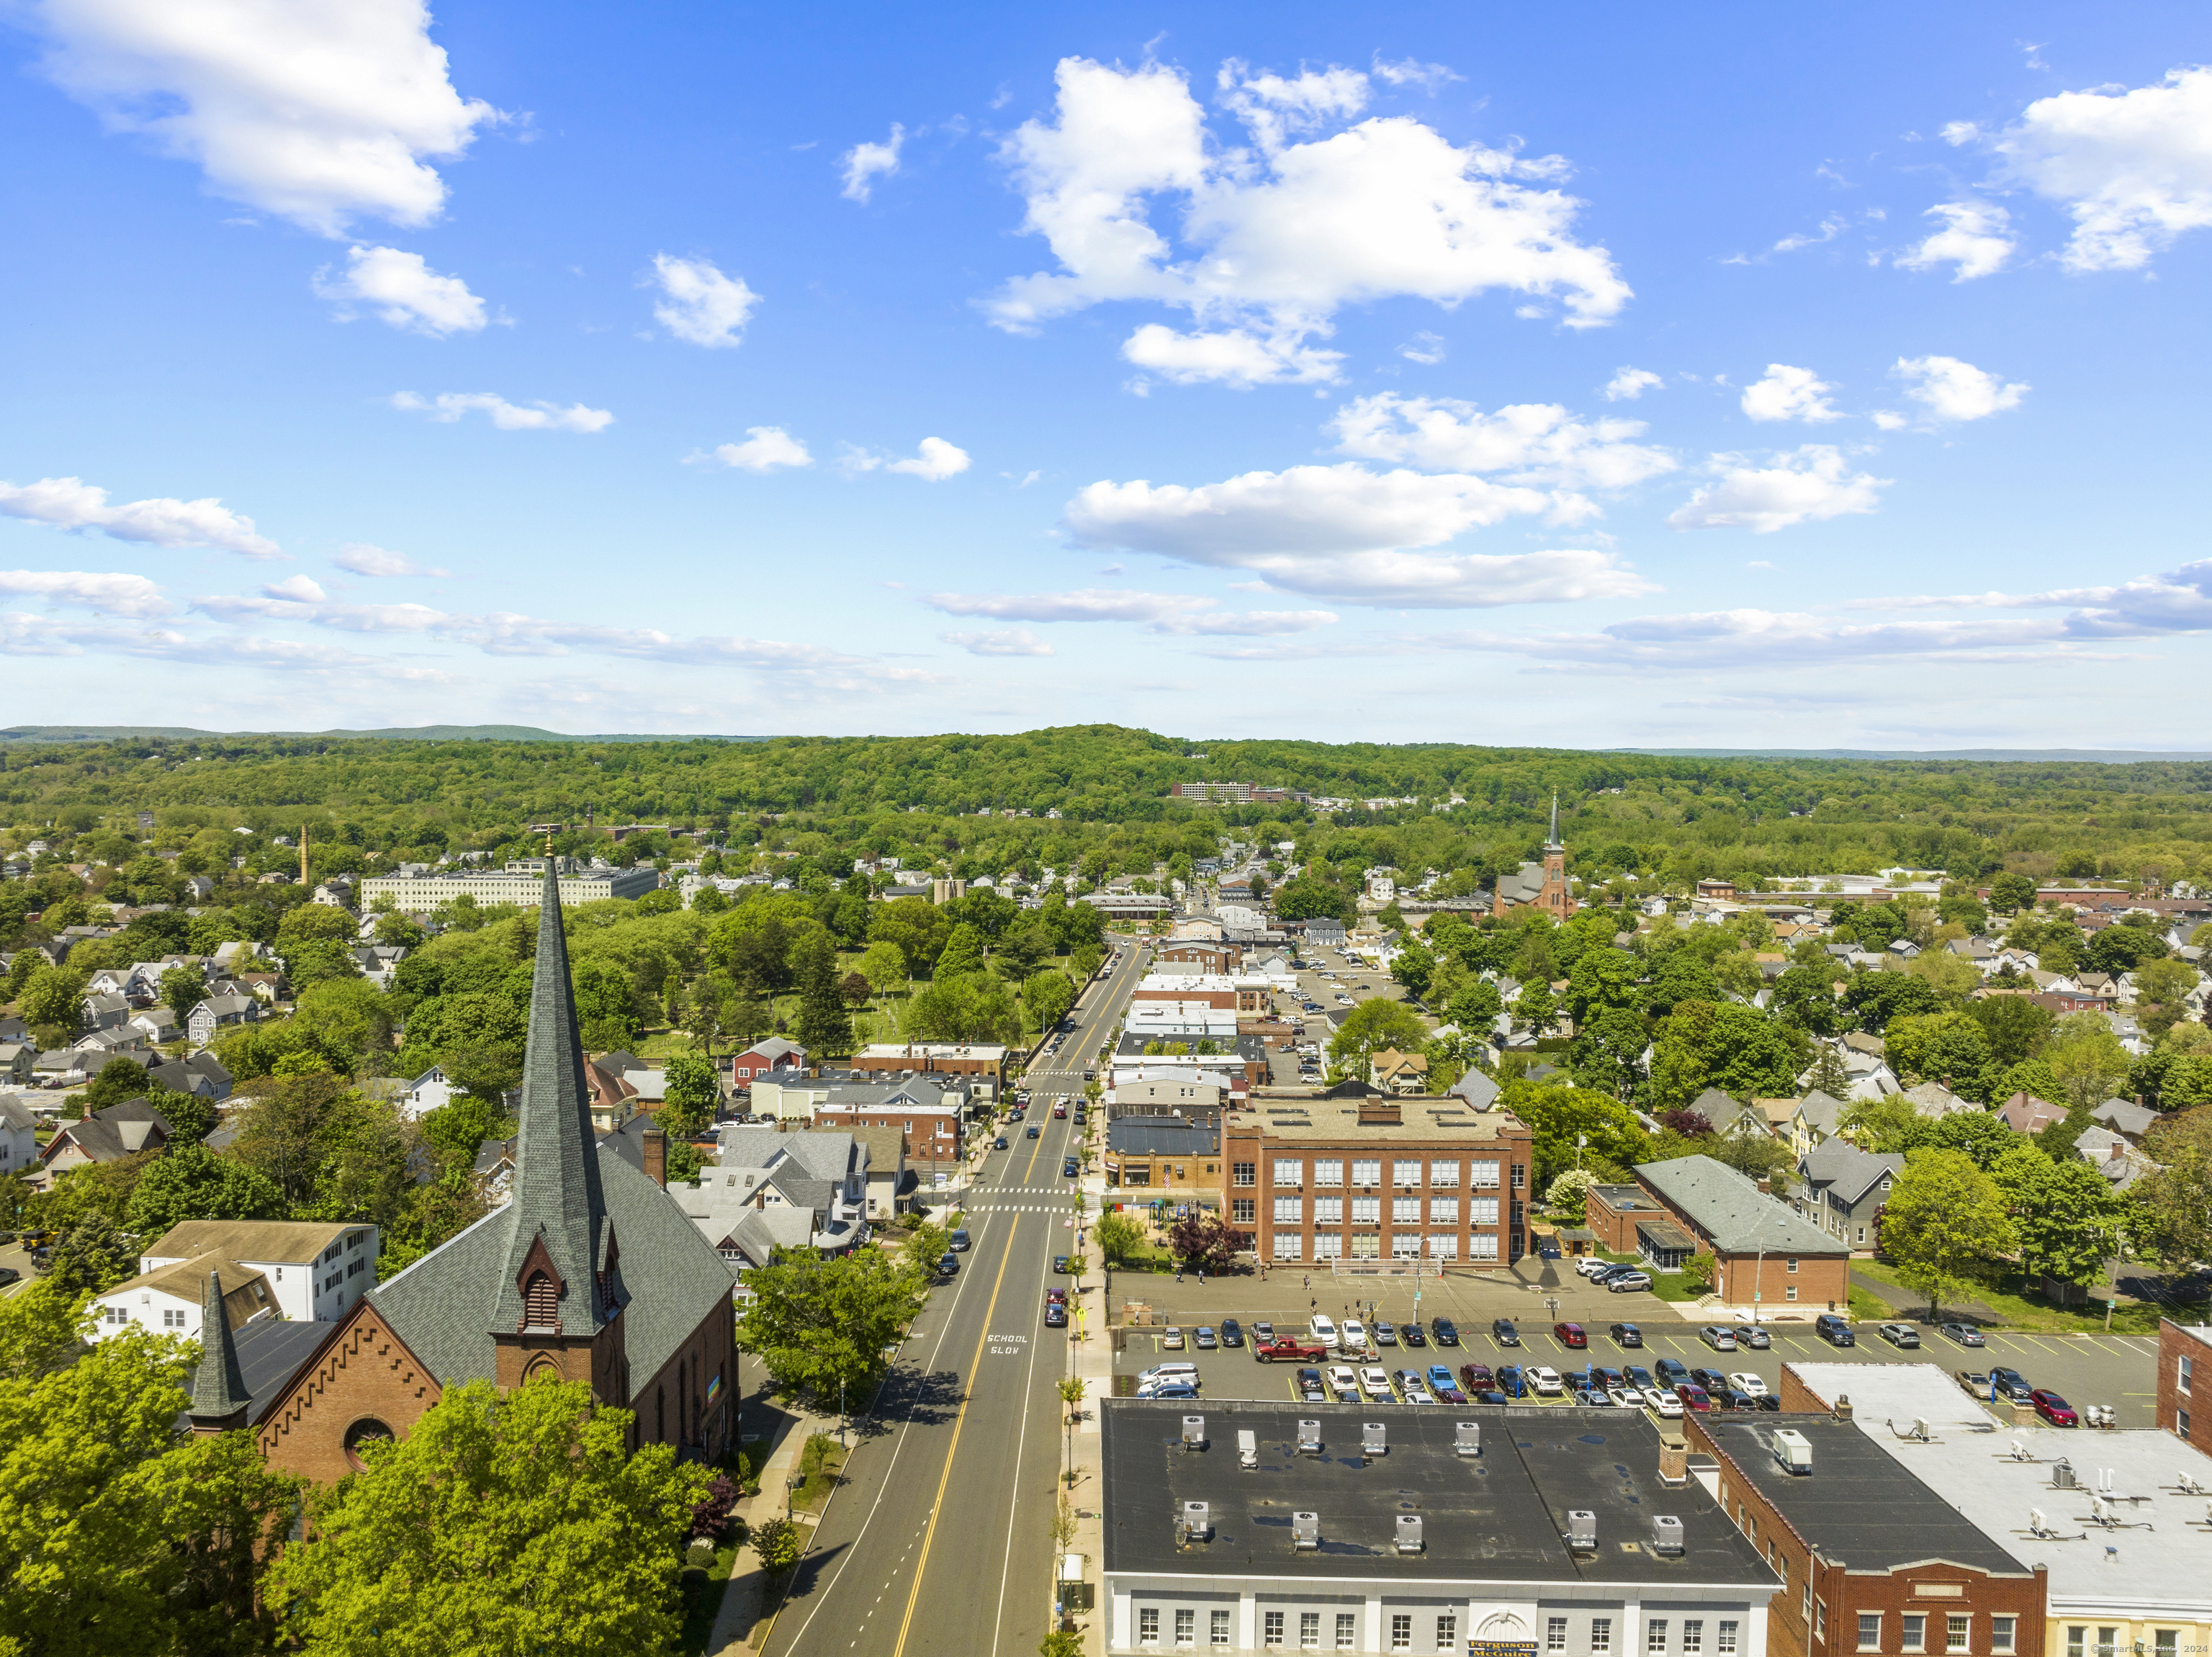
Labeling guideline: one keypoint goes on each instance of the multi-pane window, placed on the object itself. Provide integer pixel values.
(1443, 1245)
(1655, 1635)
(1186, 1627)
(1447, 1630)
(1220, 1636)
(1366, 1210)
(1328, 1171)
(1793, 1262)
(1405, 1210)
(1348, 1631)
(1289, 1171)
(2076, 1642)
(1482, 1210)
(1243, 1211)
(1328, 1245)
(1693, 1635)
(1367, 1170)
(1870, 1631)
(1820, 1619)
(1401, 1632)
(1724, 1638)
(2187, 1369)
(1245, 1173)
(1958, 1632)
(1483, 1176)
(1365, 1246)
(1405, 1171)
(2003, 1630)
(173, 1317)
(1555, 1634)
(1328, 1210)
(1308, 1630)
(1482, 1246)
(1600, 1635)
(1520, 1176)
(1915, 1628)
(1148, 1625)
(1443, 1210)
(2108, 1642)
(1444, 1173)
(1290, 1210)
(1274, 1628)
(1289, 1245)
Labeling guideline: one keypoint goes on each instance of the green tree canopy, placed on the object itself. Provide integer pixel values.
(1047, 995)
(1372, 1026)
(1724, 1044)
(963, 950)
(963, 1007)
(816, 1323)
(193, 1183)
(1945, 1225)
(2065, 1216)
(1557, 1115)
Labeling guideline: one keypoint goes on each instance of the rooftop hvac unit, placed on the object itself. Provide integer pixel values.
(2061, 1475)
(1310, 1438)
(2101, 1508)
(1248, 1447)
(2038, 1522)
(1666, 1534)
(1194, 1432)
(2019, 1451)
(1196, 1523)
(1466, 1437)
(1920, 1428)
(1373, 1441)
(1582, 1531)
(1409, 1532)
(1794, 1451)
(1305, 1531)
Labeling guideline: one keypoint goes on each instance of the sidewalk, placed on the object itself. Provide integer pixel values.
(748, 1599)
(1090, 1359)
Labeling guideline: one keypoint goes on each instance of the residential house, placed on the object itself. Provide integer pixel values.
(2110, 1154)
(63, 1067)
(773, 1053)
(202, 1073)
(1766, 1254)
(106, 1136)
(609, 1095)
(928, 1111)
(19, 1139)
(105, 1011)
(1935, 1100)
(2025, 1114)
(890, 1187)
(1814, 1122)
(1478, 1087)
(819, 1175)
(2127, 1119)
(1845, 1189)
(17, 1059)
(217, 1012)
(157, 1024)
(171, 1299)
(1399, 1073)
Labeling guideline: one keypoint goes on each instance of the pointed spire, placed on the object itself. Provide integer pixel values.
(1554, 840)
(557, 1200)
(218, 1395)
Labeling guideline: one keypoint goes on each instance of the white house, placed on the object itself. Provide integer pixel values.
(316, 1270)
(426, 1092)
(168, 1301)
(19, 1143)
(217, 1011)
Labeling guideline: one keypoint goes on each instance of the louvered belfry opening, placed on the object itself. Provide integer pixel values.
(541, 1303)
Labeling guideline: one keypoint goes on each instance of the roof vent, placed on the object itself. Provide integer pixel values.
(1666, 1534)
(1582, 1531)
(1310, 1438)
(1248, 1447)
(1305, 1531)
(1373, 1441)
(1196, 1523)
(1194, 1432)
(1794, 1451)
(1409, 1533)
(1466, 1437)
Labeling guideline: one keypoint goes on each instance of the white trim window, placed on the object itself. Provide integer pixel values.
(1328, 1245)
(1367, 1170)
(1328, 1210)
(1289, 1245)
(1482, 1210)
(1405, 1211)
(1290, 1210)
(1443, 1210)
(1443, 1245)
(1328, 1171)
(1289, 1171)
(1483, 1176)
(1444, 1176)
(1366, 1210)
(1483, 1245)
(1405, 1171)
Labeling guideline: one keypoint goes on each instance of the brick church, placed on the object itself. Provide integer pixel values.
(592, 1272)
(1538, 886)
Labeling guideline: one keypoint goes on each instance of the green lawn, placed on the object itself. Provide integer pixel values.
(702, 1599)
(2021, 1307)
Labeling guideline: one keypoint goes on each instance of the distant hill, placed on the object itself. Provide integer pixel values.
(410, 732)
(2076, 756)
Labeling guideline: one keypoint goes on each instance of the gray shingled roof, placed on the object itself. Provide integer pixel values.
(1731, 1210)
(218, 1389)
(1845, 1168)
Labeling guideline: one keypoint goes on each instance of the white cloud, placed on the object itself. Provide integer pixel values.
(1831, 228)
(1788, 393)
(1275, 240)
(936, 460)
(1232, 357)
(2134, 168)
(1536, 443)
(765, 448)
(319, 112)
(2175, 601)
(1424, 347)
(1409, 71)
(867, 163)
(701, 306)
(72, 503)
(1951, 390)
(302, 589)
(403, 291)
(1809, 486)
(362, 559)
(113, 594)
(1016, 641)
(1174, 613)
(1976, 237)
(449, 406)
(1629, 384)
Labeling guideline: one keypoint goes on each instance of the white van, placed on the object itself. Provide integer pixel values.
(1322, 1332)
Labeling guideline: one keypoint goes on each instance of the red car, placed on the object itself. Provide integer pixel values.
(1055, 1297)
(1694, 1397)
(1060, 1113)
(2053, 1408)
(1570, 1335)
(1477, 1378)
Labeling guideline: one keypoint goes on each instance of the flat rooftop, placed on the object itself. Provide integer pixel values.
(1290, 1116)
(1902, 1392)
(1499, 1517)
(1858, 1504)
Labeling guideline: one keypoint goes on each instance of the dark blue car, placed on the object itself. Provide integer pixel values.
(1512, 1382)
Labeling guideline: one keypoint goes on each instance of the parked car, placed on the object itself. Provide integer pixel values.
(1711, 1380)
(2011, 1386)
(1694, 1397)
(1752, 1335)
(1412, 1335)
(1322, 1331)
(1904, 1334)
(1171, 1339)
(1309, 1389)
(1376, 1382)
(1068, 1169)
(948, 1266)
(1638, 1376)
(2052, 1408)
(1176, 1390)
(1627, 1282)
(1055, 1297)
(959, 1242)
(1204, 1339)
(999, 1144)
(1442, 1384)
(1745, 1381)
(1627, 1335)
(1263, 1335)
(1502, 1331)
(1571, 1335)
(1547, 1381)
(1605, 1376)
(1411, 1387)
(1344, 1383)
(1718, 1336)
(1232, 1332)
(1663, 1404)
(1445, 1330)
(1834, 1329)
(1476, 1377)
(1354, 1335)
(1386, 1334)
(1512, 1381)
(1169, 1372)
(1670, 1372)
(1585, 1264)
(1963, 1334)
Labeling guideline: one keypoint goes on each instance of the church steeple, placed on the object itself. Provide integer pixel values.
(220, 1400)
(1554, 839)
(559, 1262)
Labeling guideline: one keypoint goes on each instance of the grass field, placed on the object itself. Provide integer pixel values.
(2018, 1306)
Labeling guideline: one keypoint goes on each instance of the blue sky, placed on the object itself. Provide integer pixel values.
(1726, 378)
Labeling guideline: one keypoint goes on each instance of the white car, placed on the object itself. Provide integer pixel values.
(1588, 1264)
(1164, 1372)
(1748, 1384)
(1355, 1333)
(1547, 1381)
(1322, 1331)
(1342, 1380)
(1627, 1397)
(1669, 1407)
(1376, 1382)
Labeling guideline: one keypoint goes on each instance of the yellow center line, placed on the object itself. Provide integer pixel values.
(958, 1421)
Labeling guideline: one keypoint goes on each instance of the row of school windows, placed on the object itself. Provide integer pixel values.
(1662, 1636)
(1956, 1629)
(1443, 1173)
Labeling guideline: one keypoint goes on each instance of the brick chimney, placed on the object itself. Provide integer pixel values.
(656, 1156)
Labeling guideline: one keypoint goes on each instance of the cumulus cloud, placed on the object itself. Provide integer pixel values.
(699, 304)
(1629, 384)
(1536, 443)
(1788, 393)
(321, 113)
(110, 593)
(934, 461)
(402, 290)
(1411, 71)
(765, 449)
(303, 589)
(360, 558)
(1232, 357)
(1813, 483)
(1159, 612)
(72, 503)
(867, 163)
(1976, 238)
(2132, 167)
(449, 406)
(1016, 641)
(1273, 239)
(1952, 390)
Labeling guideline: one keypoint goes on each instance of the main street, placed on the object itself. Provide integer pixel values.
(938, 1544)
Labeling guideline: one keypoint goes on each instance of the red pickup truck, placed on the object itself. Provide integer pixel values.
(1291, 1351)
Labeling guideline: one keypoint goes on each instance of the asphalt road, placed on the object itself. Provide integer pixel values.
(937, 1545)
